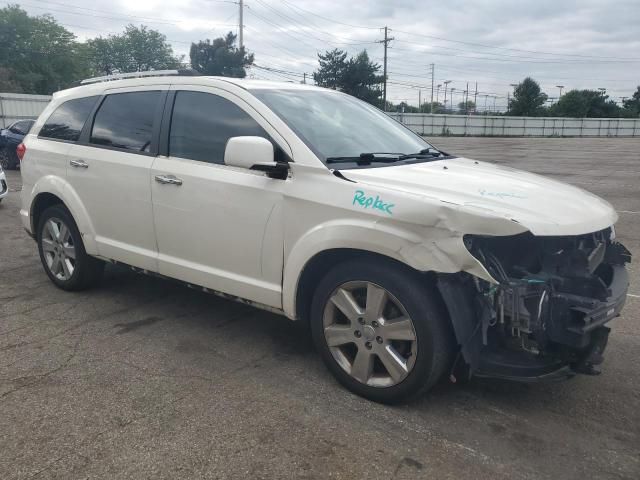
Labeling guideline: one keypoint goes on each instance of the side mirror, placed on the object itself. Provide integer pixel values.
(254, 153)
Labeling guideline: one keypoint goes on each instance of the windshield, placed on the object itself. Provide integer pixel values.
(333, 124)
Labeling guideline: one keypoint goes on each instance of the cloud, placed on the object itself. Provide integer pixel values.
(576, 43)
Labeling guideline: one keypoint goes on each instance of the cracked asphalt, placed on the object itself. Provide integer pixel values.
(144, 378)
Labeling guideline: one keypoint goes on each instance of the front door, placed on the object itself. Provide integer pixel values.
(217, 226)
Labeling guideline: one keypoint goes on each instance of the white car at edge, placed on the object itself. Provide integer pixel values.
(4, 186)
(409, 264)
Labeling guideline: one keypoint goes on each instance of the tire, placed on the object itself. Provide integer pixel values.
(59, 241)
(423, 360)
(5, 159)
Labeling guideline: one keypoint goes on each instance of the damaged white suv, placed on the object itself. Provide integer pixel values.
(409, 264)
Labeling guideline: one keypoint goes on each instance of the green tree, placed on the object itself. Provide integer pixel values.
(528, 99)
(37, 55)
(466, 107)
(8, 82)
(437, 107)
(220, 57)
(361, 79)
(137, 49)
(333, 65)
(632, 105)
(357, 76)
(585, 103)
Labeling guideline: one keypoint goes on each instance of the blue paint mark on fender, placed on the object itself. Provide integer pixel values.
(500, 195)
(365, 201)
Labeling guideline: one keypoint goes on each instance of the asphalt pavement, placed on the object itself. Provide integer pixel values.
(145, 378)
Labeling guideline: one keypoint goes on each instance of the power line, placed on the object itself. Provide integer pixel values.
(329, 19)
(297, 23)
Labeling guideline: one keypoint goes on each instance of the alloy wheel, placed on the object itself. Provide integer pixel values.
(370, 334)
(58, 249)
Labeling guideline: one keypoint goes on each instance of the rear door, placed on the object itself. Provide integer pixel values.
(219, 226)
(109, 170)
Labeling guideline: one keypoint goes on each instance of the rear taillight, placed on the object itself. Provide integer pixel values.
(21, 150)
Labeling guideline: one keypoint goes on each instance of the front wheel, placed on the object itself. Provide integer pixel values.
(380, 330)
(62, 252)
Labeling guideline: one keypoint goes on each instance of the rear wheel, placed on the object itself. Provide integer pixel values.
(379, 330)
(62, 252)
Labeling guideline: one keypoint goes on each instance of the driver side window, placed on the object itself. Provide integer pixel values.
(201, 124)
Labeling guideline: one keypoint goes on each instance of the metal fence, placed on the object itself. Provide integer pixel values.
(20, 106)
(502, 126)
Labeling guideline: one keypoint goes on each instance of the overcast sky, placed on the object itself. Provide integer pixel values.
(575, 43)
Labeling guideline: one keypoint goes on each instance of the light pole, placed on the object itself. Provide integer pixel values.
(451, 100)
(602, 91)
(446, 83)
(560, 87)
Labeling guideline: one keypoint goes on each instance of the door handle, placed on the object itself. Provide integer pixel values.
(79, 164)
(168, 180)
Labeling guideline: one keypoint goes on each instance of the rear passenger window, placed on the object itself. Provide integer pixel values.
(66, 122)
(125, 120)
(202, 123)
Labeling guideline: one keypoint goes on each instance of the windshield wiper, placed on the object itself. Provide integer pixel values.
(367, 158)
(426, 153)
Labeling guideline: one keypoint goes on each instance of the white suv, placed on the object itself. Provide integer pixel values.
(409, 264)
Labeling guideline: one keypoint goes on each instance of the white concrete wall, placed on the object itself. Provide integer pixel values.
(20, 106)
(480, 125)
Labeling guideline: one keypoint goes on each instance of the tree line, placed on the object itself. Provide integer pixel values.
(38, 55)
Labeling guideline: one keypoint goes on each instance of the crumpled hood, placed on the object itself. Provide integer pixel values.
(544, 206)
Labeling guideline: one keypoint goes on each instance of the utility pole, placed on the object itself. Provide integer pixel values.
(494, 103)
(438, 91)
(240, 26)
(446, 82)
(386, 41)
(466, 100)
(475, 100)
(304, 77)
(420, 101)
(433, 74)
(514, 85)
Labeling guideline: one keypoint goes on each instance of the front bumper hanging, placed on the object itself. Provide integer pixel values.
(546, 319)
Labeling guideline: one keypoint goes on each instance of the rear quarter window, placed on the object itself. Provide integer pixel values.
(67, 121)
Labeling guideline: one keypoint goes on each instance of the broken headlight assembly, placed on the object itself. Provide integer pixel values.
(546, 316)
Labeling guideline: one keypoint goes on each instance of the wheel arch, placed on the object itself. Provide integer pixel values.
(51, 191)
(321, 263)
(336, 240)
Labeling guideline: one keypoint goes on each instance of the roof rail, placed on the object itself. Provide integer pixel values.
(120, 76)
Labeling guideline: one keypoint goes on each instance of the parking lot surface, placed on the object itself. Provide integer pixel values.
(144, 378)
